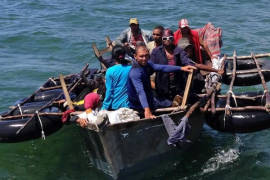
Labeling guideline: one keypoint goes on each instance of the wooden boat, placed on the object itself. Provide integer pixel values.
(126, 149)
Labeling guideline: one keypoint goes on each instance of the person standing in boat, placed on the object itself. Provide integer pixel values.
(139, 87)
(193, 36)
(116, 81)
(130, 36)
(157, 38)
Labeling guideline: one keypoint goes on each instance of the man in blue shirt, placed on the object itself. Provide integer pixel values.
(139, 88)
(116, 81)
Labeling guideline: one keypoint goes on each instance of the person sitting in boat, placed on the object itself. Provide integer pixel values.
(130, 36)
(171, 84)
(198, 77)
(157, 38)
(139, 88)
(92, 104)
(116, 81)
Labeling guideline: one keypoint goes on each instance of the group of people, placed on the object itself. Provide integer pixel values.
(163, 53)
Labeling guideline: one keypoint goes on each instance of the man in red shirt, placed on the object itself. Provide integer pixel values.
(185, 31)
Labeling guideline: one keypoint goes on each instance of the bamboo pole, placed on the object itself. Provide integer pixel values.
(250, 57)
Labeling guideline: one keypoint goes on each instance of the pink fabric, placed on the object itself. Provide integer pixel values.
(91, 100)
(66, 114)
(211, 37)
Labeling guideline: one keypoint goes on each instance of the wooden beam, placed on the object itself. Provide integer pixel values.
(64, 87)
(245, 108)
(187, 88)
(247, 71)
(250, 57)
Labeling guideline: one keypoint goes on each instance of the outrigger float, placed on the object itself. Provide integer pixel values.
(242, 112)
(128, 147)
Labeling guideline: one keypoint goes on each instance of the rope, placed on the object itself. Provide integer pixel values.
(264, 92)
(19, 106)
(233, 96)
(267, 106)
(41, 125)
(53, 81)
(227, 109)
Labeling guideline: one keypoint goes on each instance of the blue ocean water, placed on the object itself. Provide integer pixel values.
(40, 39)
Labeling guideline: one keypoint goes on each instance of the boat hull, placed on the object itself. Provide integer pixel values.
(125, 149)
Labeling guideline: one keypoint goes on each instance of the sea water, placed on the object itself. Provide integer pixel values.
(41, 39)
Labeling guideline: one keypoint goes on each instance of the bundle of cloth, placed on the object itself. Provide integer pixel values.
(212, 38)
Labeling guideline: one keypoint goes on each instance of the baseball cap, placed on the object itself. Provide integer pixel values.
(183, 23)
(133, 21)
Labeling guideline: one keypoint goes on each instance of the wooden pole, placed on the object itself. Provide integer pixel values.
(169, 109)
(192, 108)
(250, 57)
(266, 91)
(30, 115)
(253, 98)
(248, 71)
(63, 84)
(109, 42)
(245, 108)
(186, 93)
(98, 55)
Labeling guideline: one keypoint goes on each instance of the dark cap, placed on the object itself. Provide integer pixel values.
(184, 43)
